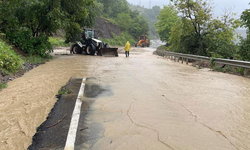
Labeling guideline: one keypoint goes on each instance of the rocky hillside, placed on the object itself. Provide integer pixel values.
(104, 28)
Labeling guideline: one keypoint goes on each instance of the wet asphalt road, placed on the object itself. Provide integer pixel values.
(53, 132)
(148, 102)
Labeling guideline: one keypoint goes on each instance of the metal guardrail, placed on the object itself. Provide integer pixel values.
(235, 63)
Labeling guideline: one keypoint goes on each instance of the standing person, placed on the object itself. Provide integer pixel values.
(127, 48)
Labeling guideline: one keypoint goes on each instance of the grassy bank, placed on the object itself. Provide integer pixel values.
(10, 61)
(120, 40)
(58, 42)
(13, 65)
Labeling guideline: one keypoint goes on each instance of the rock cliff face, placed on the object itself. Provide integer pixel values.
(104, 28)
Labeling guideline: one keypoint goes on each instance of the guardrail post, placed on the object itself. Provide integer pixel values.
(178, 59)
(187, 61)
(245, 71)
(199, 63)
(182, 60)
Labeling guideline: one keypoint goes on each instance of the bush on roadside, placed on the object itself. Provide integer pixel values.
(32, 45)
(3, 85)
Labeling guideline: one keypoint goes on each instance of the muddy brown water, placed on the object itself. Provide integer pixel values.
(155, 104)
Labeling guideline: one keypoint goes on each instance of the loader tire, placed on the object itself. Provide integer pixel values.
(135, 45)
(90, 49)
(76, 49)
(143, 45)
(148, 45)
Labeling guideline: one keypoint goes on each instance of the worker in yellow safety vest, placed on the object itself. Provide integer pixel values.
(127, 48)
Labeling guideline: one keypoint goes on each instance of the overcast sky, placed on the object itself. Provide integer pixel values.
(238, 6)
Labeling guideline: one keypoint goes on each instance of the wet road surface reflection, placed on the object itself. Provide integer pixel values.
(159, 104)
(154, 104)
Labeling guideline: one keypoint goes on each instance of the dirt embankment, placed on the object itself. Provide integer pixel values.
(5, 78)
(104, 28)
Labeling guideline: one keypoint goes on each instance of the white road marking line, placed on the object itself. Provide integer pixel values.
(70, 142)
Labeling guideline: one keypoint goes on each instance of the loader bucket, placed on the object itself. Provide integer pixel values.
(108, 52)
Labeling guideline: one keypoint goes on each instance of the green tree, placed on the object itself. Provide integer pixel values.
(128, 20)
(166, 19)
(244, 50)
(139, 25)
(151, 17)
(124, 21)
(197, 15)
(39, 16)
(8, 19)
(99, 7)
(156, 10)
(220, 40)
(245, 18)
(114, 7)
(28, 23)
(199, 33)
(76, 14)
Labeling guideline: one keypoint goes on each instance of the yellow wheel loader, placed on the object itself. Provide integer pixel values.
(143, 41)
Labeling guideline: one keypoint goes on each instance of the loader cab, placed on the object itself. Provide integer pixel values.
(89, 34)
(143, 41)
(143, 37)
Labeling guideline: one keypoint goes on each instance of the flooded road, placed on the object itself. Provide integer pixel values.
(155, 104)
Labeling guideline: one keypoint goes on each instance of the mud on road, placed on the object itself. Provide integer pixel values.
(25, 104)
(155, 104)
(27, 101)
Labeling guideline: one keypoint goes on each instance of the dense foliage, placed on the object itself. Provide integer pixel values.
(28, 23)
(32, 45)
(151, 16)
(130, 22)
(196, 31)
(166, 19)
(244, 49)
(111, 8)
(202, 34)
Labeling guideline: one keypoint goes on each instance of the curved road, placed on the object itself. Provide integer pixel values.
(155, 104)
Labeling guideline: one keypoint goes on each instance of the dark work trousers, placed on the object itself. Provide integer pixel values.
(127, 53)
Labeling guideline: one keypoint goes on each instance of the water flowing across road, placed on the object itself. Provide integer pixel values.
(155, 104)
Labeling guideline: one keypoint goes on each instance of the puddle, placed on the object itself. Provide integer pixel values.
(94, 88)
